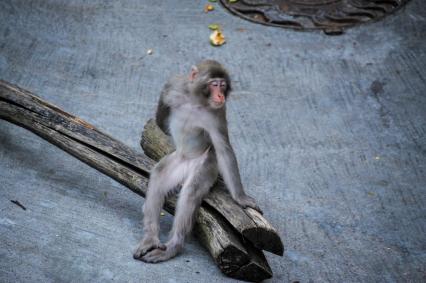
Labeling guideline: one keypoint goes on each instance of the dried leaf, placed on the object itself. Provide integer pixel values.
(217, 38)
(214, 27)
(208, 8)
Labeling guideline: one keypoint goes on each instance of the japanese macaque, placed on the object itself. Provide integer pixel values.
(192, 110)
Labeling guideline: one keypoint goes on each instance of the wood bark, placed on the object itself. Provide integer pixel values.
(130, 168)
(248, 222)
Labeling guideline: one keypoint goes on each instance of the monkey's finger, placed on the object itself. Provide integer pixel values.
(259, 209)
(256, 207)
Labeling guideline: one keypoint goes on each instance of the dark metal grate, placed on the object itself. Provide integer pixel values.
(331, 16)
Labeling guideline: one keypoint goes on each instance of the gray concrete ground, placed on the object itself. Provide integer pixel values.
(329, 133)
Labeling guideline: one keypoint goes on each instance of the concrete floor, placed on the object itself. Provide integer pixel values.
(330, 134)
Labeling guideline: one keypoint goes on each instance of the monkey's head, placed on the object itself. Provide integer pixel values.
(211, 83)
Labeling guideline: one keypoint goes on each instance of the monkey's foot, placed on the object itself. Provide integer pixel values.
(159, 255)
(147, 245)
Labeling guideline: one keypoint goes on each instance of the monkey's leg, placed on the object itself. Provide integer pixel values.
(166, 176)
(196, 186)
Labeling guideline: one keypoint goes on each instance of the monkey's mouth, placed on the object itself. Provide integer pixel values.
(217, 104)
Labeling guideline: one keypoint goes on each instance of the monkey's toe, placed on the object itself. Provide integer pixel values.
(143, 250)
(139, 253)
(156, 255)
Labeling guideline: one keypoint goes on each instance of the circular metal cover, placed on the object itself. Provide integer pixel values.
(332, 16)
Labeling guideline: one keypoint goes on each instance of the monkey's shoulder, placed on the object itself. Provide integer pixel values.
(174, 92)
(175, 83)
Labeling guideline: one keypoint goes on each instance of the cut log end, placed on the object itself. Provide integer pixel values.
(265, 240)
(234, 259)
(251, 272)
(253, 268)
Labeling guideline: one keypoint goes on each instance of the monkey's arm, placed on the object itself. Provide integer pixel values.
(162, 116)
(228, 168)
(171, 96)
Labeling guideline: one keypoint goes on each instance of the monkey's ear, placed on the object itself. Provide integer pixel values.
(194, 73)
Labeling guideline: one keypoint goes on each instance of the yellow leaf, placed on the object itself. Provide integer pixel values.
(214, 27)
(217, 38)
(208, 8)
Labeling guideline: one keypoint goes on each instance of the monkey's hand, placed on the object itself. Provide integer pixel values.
(247, 201)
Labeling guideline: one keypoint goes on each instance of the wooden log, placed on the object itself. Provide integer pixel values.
(233, 258)
(248, 222)
(131, 169)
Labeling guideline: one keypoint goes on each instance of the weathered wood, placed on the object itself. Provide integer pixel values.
(131, 169)
(250, 223)
(76, 128)
(233, 258)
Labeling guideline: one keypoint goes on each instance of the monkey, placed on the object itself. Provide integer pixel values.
(192, 110)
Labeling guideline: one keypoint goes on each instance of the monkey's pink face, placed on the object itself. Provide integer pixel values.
(217, 88)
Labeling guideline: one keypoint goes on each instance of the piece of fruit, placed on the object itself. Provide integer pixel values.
(217, 38)
(208, 8)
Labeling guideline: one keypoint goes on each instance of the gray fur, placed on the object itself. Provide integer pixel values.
(199, 131)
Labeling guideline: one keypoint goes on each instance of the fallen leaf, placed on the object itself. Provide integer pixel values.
(208, 8)
(217, 38)
(214, 27)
